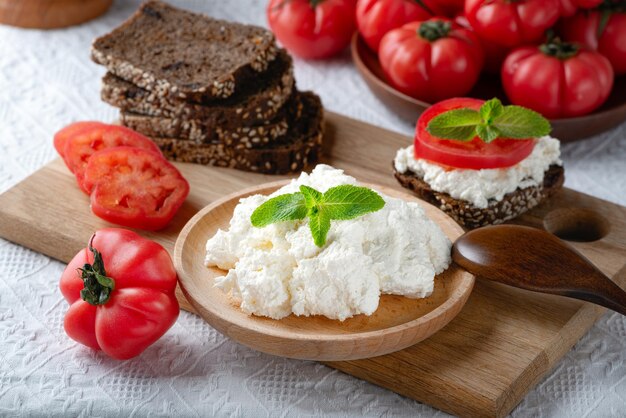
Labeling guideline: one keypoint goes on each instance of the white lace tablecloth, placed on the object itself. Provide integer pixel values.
(47, 81)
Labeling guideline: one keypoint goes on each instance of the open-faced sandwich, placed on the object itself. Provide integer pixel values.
(322, 245)
(481, 162)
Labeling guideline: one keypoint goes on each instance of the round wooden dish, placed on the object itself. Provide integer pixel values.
(611, 114)
(398, 323)
(50, 14)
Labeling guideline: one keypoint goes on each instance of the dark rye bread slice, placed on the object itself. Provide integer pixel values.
(300, 147)
(199, 131)
(181, 54)
(261, 103)
(469, 216)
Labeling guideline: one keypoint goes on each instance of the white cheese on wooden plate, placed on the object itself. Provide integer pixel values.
(480, 186)
(278, 270)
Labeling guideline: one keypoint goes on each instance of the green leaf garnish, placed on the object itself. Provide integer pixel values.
(338, 203)
(286, 207)
(490, 122)
(349, 202)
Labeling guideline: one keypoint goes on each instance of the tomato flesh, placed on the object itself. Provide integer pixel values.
(80, 146)
(61, 137)
(475, 154)
(134, 187)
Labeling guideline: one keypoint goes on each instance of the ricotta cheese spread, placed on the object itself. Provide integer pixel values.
(480, 186)
(278, 270)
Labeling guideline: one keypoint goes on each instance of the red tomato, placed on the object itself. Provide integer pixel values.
(81, 146)
(377, 17)
(451, 8)
(584, 29)
(431, 60)
(512, 23)
(569, 7)
(557, 80)
(125, 314)
(134, 187)
(312, 28)
(475, 154)
(494, 53)
(61, 137)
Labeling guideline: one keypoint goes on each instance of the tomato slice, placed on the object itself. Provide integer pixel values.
(475, 154)
(61, 137)
(134, 187)
(85, 143)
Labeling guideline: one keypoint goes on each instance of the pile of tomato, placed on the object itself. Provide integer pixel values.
(128, 180)
(558, 57)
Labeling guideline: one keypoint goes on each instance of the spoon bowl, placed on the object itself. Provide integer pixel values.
(536, 260)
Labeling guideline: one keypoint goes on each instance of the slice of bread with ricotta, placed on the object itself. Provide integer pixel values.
(476, 198)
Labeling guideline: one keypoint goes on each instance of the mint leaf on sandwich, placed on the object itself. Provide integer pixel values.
(338, 203)
(490, 122)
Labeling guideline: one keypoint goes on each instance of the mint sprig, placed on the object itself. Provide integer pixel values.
(338, 203)
(490, 122)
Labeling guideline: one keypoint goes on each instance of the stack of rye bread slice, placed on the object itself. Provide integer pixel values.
(209, 91)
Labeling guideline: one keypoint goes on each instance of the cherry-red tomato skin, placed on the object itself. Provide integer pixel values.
(375, 18)
(431, 70)
(557, 88)
(143, 305)
(494, 54)
(570, 7)
(511, 24)
(583, 28)
(312, 32)
(473, 155)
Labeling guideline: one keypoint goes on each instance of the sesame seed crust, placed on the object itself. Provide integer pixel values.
(469, 216)
(170, 68)
(291, 153)
(231, 132)
(258, 106)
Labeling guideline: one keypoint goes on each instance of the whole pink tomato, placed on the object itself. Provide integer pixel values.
(312, 28)
(432, 60)
(556, 79)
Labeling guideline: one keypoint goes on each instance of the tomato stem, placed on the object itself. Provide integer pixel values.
(315, 3)
(434, 29)
(559, 49)
(98, 286)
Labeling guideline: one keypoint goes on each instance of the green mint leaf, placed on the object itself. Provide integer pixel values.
(490, 110)
(319, 224)
(459, 124)
(286, 207)
(348, 202)
(312, 197)
(517, 122)
(487, 133)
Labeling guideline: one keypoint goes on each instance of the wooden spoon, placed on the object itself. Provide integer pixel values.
(536, 260)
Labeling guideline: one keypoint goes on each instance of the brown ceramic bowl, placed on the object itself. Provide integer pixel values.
(611, 114)
(50, 14)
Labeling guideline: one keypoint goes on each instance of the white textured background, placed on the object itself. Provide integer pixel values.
(47, 81)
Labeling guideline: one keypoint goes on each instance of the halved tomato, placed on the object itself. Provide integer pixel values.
(475, 154)
(84, 143)
(61, 137)
(134, 187)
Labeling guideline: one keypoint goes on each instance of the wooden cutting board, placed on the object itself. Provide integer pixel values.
(482, 364)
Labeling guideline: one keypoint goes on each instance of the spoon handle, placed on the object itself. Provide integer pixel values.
(610, 296)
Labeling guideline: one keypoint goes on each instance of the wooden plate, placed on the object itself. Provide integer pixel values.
(398, 323)
(611, 114)
(50, 14)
